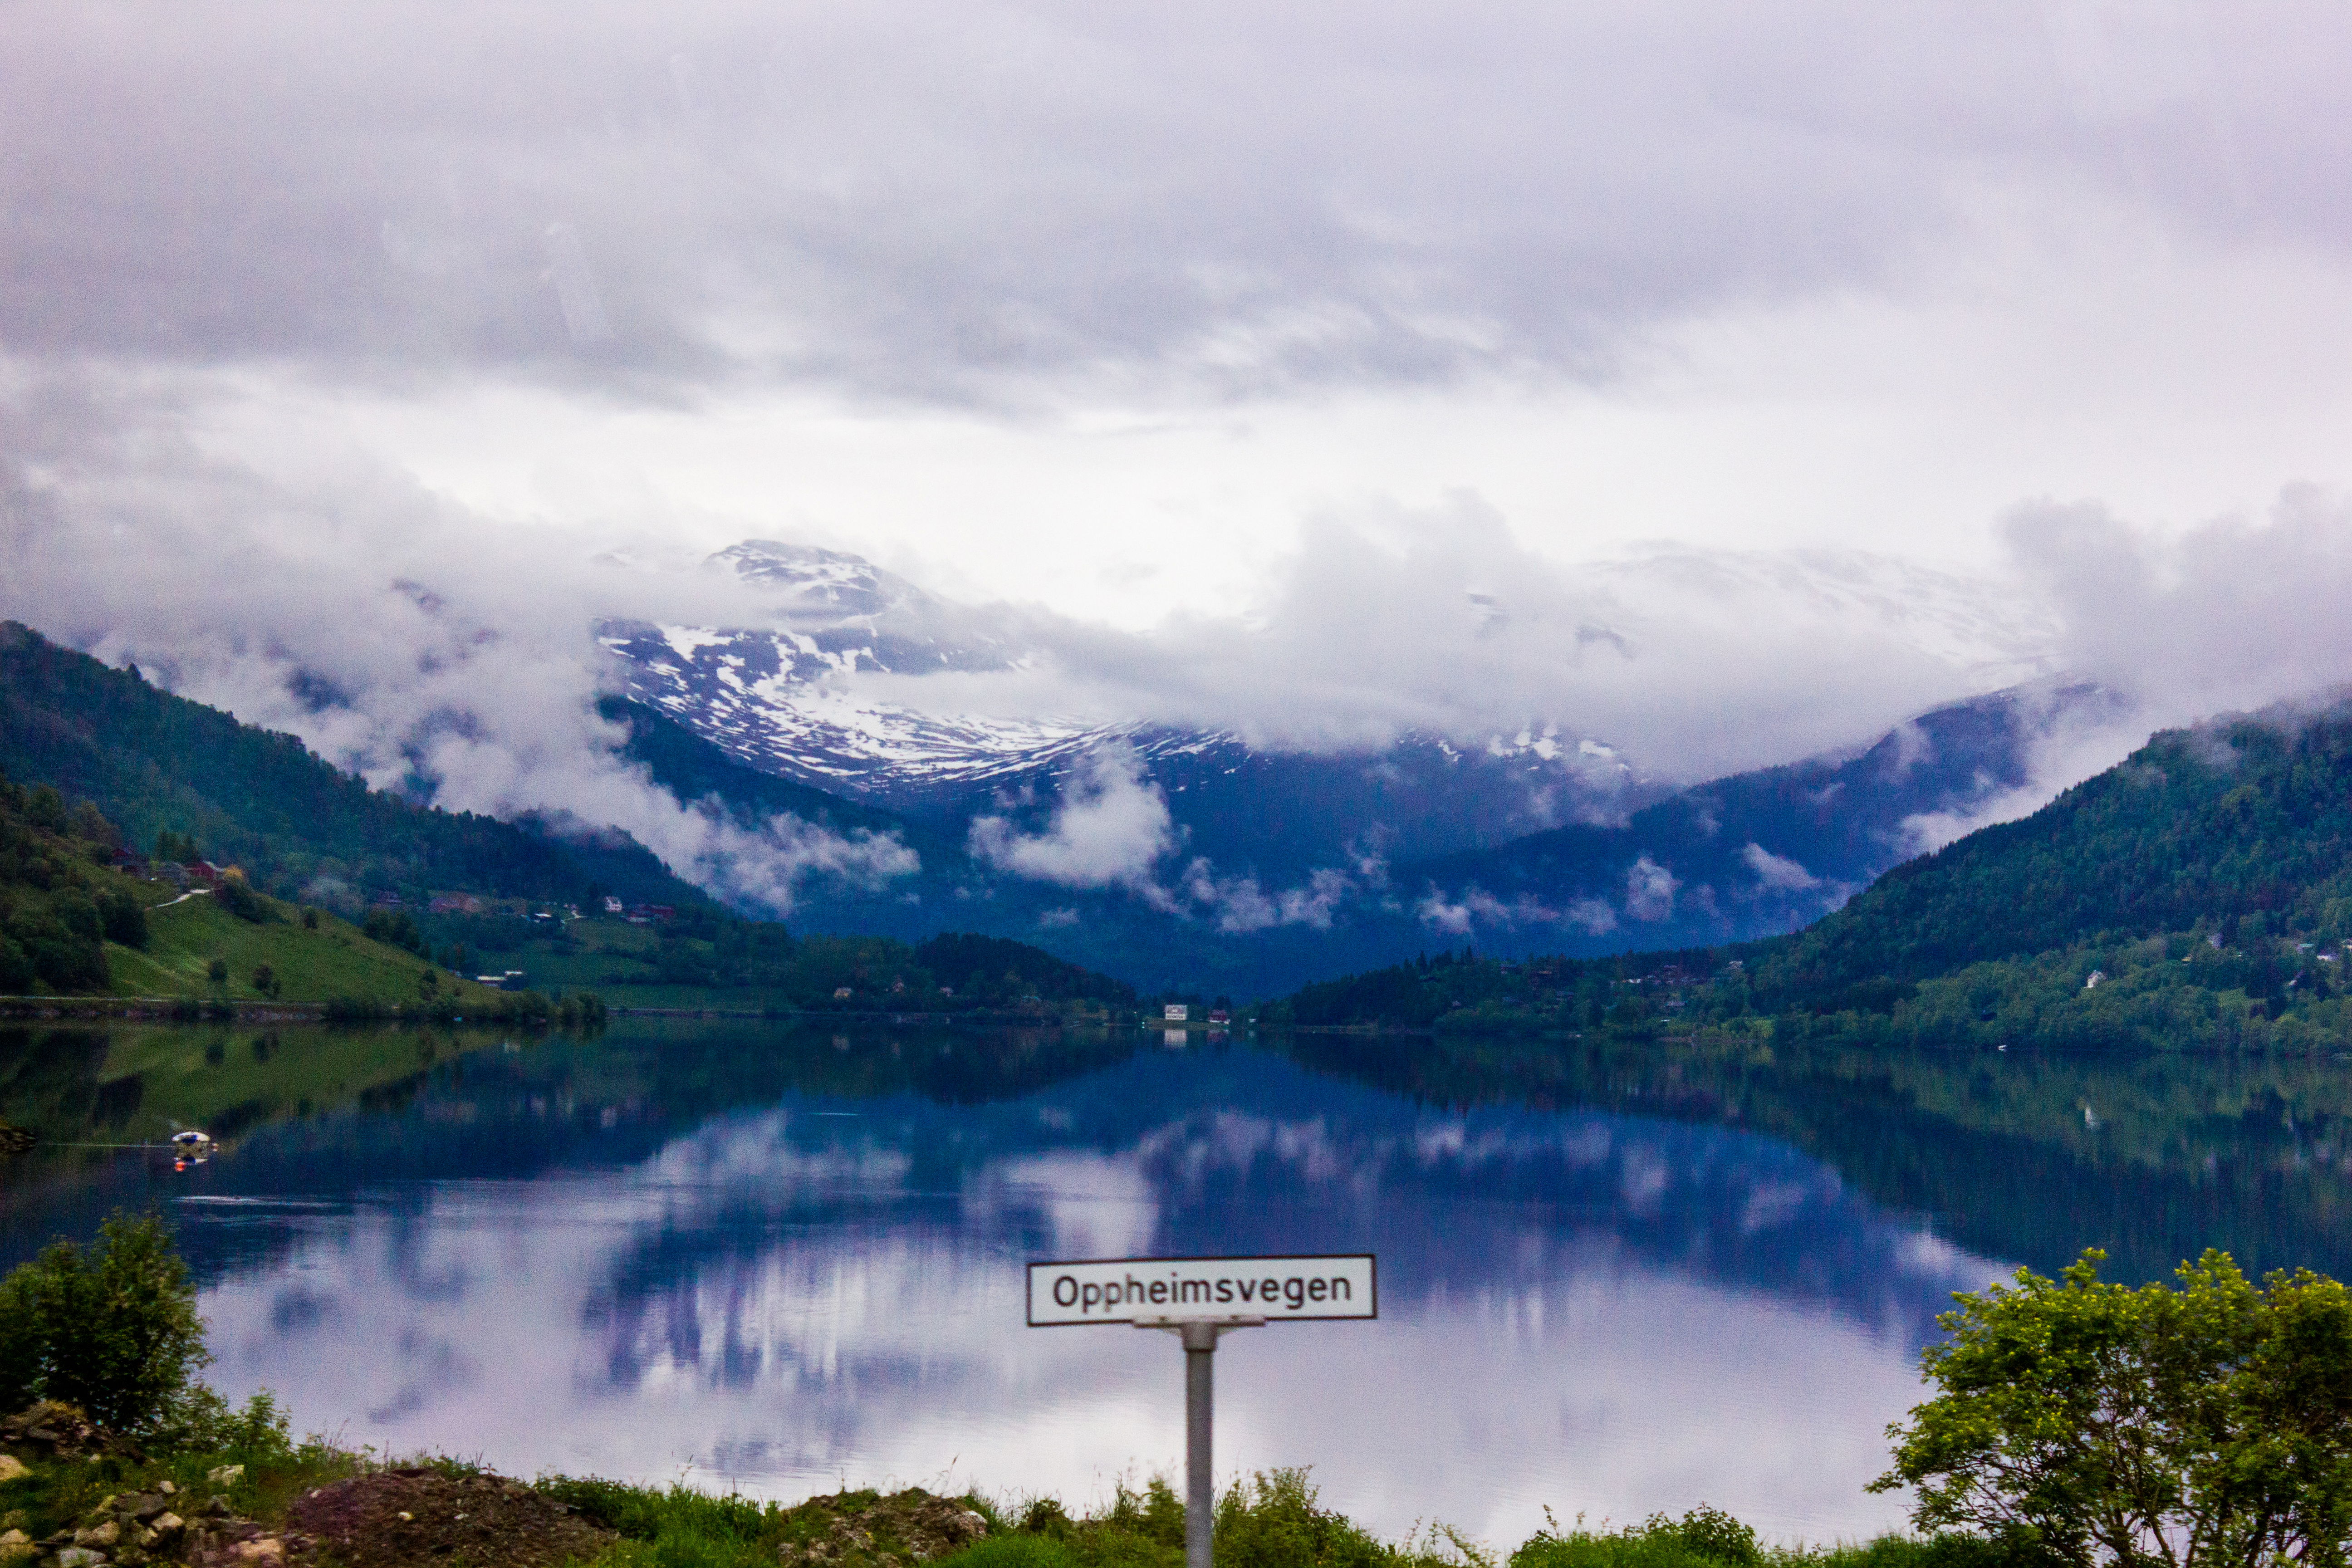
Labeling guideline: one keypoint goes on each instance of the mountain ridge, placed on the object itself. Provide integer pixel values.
(2196, 895)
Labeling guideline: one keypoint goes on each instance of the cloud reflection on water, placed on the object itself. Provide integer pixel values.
(1601, 1313)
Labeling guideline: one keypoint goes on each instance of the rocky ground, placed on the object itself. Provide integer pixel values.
(895, 1532)
(394, 1519)
(136, 1528)
(416, 1517)
(422, 1516)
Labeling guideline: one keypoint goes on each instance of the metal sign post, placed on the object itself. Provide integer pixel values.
(1201, 1298)
(1200, 1400)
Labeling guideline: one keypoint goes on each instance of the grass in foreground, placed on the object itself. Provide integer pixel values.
(1270, 1520)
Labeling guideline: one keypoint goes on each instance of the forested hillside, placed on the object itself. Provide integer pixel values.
(2243, 827)
(72, 924)
(155, 762)
(58, 903)
(2198, 894)
(155, 771)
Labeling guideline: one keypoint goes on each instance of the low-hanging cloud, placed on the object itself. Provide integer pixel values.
(1777, 872)
(391, 633)
(1108, 829)
(383, 626)
(1461, 915)
(1679, 664)
(1111, 827)
(2235, 615)
(1239, 904)
(1650, 890)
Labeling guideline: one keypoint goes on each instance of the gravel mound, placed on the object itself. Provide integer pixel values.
(846, 1531)
(398, 1519)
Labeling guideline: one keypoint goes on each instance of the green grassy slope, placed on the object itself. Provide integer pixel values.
(334, 960)
(72, 925)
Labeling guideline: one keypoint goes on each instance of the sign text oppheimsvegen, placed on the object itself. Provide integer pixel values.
(1115, 1291)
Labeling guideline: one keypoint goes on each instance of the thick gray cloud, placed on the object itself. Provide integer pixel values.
(2235, 614)
(1001, 201)
(400, 639)
(1682, 664)
(405, 640)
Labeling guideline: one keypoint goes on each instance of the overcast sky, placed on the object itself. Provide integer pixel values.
(1190, 322)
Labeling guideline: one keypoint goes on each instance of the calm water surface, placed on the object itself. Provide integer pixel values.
(1611, 1279)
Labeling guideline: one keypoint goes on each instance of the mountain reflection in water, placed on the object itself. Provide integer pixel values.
(1610, 1281)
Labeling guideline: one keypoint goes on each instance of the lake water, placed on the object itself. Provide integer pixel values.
(1613, 1280)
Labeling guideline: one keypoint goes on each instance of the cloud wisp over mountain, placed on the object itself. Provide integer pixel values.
(404, 639)
(1561, 377)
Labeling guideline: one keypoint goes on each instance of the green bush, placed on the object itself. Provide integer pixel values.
(1710, 1533)
(1706, 1537)
(2061, 1399)
(1271, 1522)
(237, 896)
(112, 1329)
(124, 916)
(1945, 1551)
(1154, 1514)
(202, 1422)
(1021, 1551)
(1604, 1549)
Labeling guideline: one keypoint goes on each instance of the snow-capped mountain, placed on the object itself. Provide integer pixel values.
(782, 697)
(816, 583)
(767, 697)
(1171, 854)
(775, 696)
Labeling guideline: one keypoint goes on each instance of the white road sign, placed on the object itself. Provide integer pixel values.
(1125, 1289)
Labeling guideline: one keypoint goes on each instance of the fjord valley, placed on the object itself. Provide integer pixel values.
(700, 707)
(2187, 896)
(1203, 868)
(420, 898)
(509, 1119)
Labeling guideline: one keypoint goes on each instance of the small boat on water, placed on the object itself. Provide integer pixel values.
(191, 1141)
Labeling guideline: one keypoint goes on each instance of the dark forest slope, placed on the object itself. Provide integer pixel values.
(155, 762)
(2197, 894)
(2198, 831)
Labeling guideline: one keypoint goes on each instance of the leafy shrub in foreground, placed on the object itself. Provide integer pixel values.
(1945, 1551)
(1020, 1550)
(202, 1422)
(112, 1329)
(1271, 1522)
(2095, 1422)
(1635, 1547)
